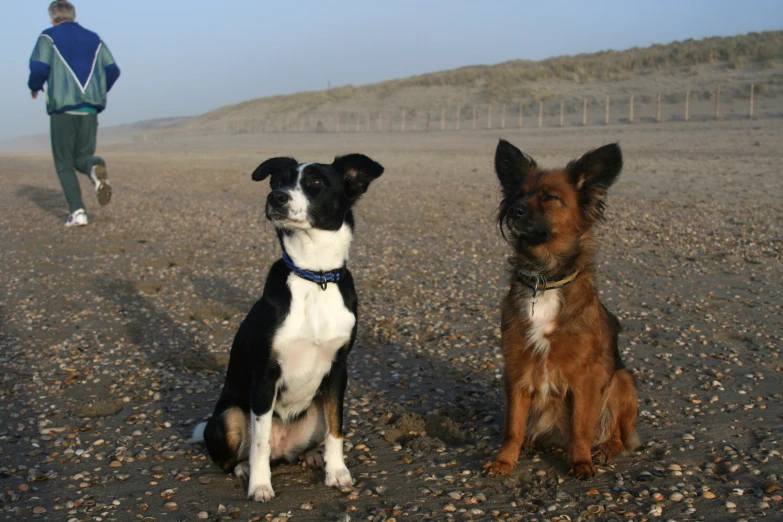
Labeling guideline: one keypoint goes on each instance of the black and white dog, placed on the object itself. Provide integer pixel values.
(287, 373)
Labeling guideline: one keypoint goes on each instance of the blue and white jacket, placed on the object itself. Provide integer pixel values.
(76, 65)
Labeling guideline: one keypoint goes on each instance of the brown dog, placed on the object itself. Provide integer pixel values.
(564, 380)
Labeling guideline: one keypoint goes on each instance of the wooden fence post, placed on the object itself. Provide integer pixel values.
(503, 117)
(442, 118)
(540, 114)
(584, 111)
(474, 117)
(459, 113)
(489, 118)
(415, 117)
(607, 110)
(562, 104)
(402, 125)
(630, 116)
(717, 103)
(428, 121)
(520, 115)
(687, 99)
(752, 88)
(658, 110)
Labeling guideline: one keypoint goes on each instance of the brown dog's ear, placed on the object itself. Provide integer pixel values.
(593, 174)
(272, 166)
(358, 172)
(512, 166)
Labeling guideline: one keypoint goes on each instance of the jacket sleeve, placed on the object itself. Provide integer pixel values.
(40, 63)
(110, 67)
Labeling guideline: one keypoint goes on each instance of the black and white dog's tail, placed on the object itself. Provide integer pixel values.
(198, 433)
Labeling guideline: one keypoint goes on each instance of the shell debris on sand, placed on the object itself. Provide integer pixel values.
(114, 338)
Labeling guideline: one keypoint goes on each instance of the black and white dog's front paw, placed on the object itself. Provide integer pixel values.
(339, 478)
(261, 493)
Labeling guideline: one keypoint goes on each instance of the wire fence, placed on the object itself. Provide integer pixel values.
(690, 105)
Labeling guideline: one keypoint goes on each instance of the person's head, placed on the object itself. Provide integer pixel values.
(61, 11)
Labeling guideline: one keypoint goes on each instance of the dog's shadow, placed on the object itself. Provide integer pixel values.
(47, 199)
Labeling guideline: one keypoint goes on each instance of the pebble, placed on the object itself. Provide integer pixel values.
(676, 497)
(708, 495)
(202, 515)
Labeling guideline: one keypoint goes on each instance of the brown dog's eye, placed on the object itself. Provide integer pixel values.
(548, 197)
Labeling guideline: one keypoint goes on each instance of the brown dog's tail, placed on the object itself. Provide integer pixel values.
(632, 441)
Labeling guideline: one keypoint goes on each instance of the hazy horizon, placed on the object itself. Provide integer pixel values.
(187, 58)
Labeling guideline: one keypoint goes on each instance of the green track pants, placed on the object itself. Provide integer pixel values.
(73, 147)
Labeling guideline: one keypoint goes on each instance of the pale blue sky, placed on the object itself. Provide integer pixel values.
(181, 58)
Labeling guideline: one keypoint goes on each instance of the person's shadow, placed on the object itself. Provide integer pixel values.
(50, 200)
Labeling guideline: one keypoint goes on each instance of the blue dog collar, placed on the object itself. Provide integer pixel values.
(319, 278)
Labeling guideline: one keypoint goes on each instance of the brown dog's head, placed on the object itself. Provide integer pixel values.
(547, 215)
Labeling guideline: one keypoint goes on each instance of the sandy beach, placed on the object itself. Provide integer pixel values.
(114, 337)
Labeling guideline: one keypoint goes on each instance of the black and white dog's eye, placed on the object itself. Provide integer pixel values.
(316, 182)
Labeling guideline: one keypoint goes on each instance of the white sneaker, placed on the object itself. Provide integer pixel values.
(77, 219)
(98, 176)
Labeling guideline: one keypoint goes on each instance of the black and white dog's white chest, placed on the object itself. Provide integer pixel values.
(318, 324)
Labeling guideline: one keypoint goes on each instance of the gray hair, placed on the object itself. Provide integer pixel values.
(62, 11)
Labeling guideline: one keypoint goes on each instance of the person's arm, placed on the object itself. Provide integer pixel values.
(110, 67)
(40, 64)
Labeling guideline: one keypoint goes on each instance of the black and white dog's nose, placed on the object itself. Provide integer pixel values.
(278, 198)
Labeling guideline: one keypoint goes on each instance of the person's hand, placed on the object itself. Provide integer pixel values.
(33, 94)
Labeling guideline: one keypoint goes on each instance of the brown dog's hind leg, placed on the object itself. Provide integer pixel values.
(618, 418)
(629, 405)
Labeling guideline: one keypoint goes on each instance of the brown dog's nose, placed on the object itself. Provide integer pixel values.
(517, 211)
(278, 198)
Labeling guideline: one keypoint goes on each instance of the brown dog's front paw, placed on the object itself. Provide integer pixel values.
(498, 467)
(583, 470)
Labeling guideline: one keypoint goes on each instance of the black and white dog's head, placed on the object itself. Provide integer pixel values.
(315, 195)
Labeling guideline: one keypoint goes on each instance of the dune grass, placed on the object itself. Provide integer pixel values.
(511, 81)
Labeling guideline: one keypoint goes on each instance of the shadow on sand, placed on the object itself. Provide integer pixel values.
(50, 200)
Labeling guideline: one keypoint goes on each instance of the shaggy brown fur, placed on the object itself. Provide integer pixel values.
(564, 380)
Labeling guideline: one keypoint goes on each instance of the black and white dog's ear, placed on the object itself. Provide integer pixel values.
(593, 174)
(512, 166)
(272, 166)
(358, 172)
